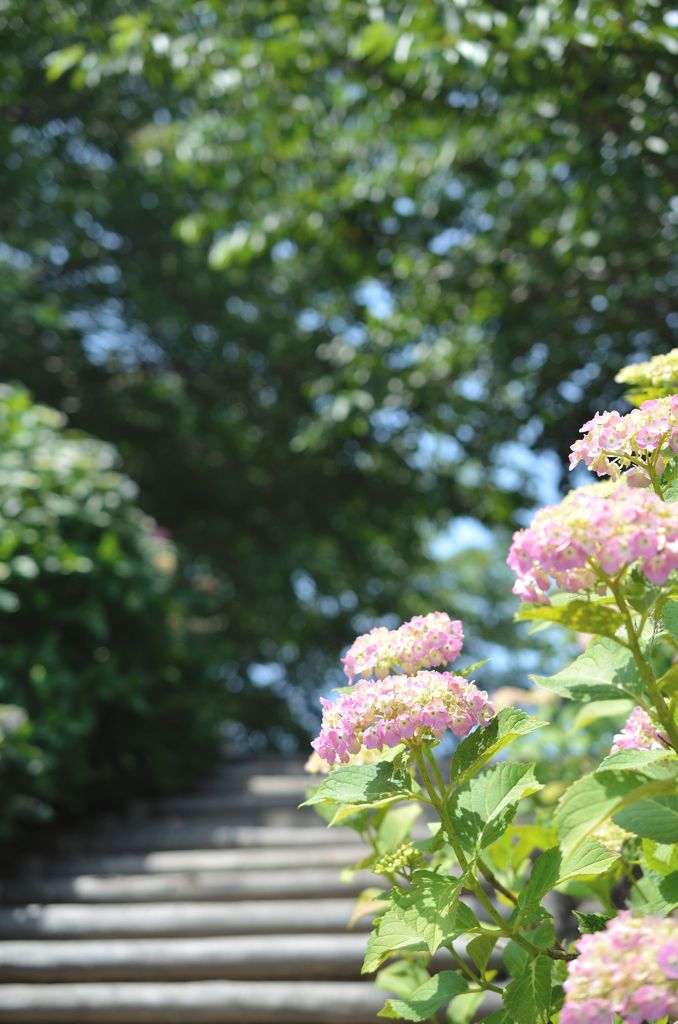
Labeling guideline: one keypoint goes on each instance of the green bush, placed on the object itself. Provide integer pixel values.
(108, 696)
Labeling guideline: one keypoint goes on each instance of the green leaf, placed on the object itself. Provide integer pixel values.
(589, 858)
(544, 875)
(474, 752)
(582, 616)
(655, 818)
(594, 798)
(668, 887)
(670, 617)
(401, 977)
(590, 923)
(483, 807)
(396, 827)
(420, 918)
(596, 710)
(653, 894)
(668, 684)
(60, 61)
(480, 950)
(360, 784)
(528, 997)
(428, 998)
(632, 760)
(605, 671)
(463, 1009)
(661, 857)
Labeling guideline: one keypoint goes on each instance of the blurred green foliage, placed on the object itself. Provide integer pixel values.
(107, 690)
(323, 270)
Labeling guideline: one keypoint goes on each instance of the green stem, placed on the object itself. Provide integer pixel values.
(472, 882)
(485, 869)
(647, 675)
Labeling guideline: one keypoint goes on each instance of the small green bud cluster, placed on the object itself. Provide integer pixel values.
(405, 856)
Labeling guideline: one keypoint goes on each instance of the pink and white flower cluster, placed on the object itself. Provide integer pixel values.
(426, 641)
(639, 733)
(613, 442)
(591, 535)
(383, 713)
(630, 969)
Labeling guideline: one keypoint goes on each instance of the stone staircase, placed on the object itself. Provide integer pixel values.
(224, 906)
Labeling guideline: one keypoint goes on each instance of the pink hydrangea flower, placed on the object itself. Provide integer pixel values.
(613, 442)
(639, 733)
(630, 969)
(592, 534)
(383, 713)
(426, 641)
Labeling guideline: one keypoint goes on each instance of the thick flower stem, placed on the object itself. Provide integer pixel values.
(646, 673)
(473, 884)
(484, 868)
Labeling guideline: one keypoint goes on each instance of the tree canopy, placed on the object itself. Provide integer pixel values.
(312, 265)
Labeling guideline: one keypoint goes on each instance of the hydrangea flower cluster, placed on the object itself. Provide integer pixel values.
(613, 442)
(383, 713)
(661, 370)
(639, 733)
(591, 534)
(631, 969)
(426, 641)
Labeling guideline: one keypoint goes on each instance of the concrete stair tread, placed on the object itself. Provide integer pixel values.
(258, 957)
(167, 861)
(64, 920)
(182, 834)
(304, 883)
(221, 1002)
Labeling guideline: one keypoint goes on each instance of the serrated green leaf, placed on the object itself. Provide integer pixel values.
(594, 798)
(543, 877)
(588, 859)
(360, 784)
(480, 950)
(605, 671)
(654, 818)
(420, 918)
(632, 760)
(474, 752)
(582, 616)
(426, 999)
(483, 807)
(590, 923)
(528, 997)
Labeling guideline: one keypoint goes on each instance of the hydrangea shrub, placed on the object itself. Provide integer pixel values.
(474, 888)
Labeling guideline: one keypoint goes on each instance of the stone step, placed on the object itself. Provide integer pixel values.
(192, 1002)
(238, 859)
(122, 920)
(306, 883)
(262, 806)
(188, 834)
(293, 786)
(306, 957)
